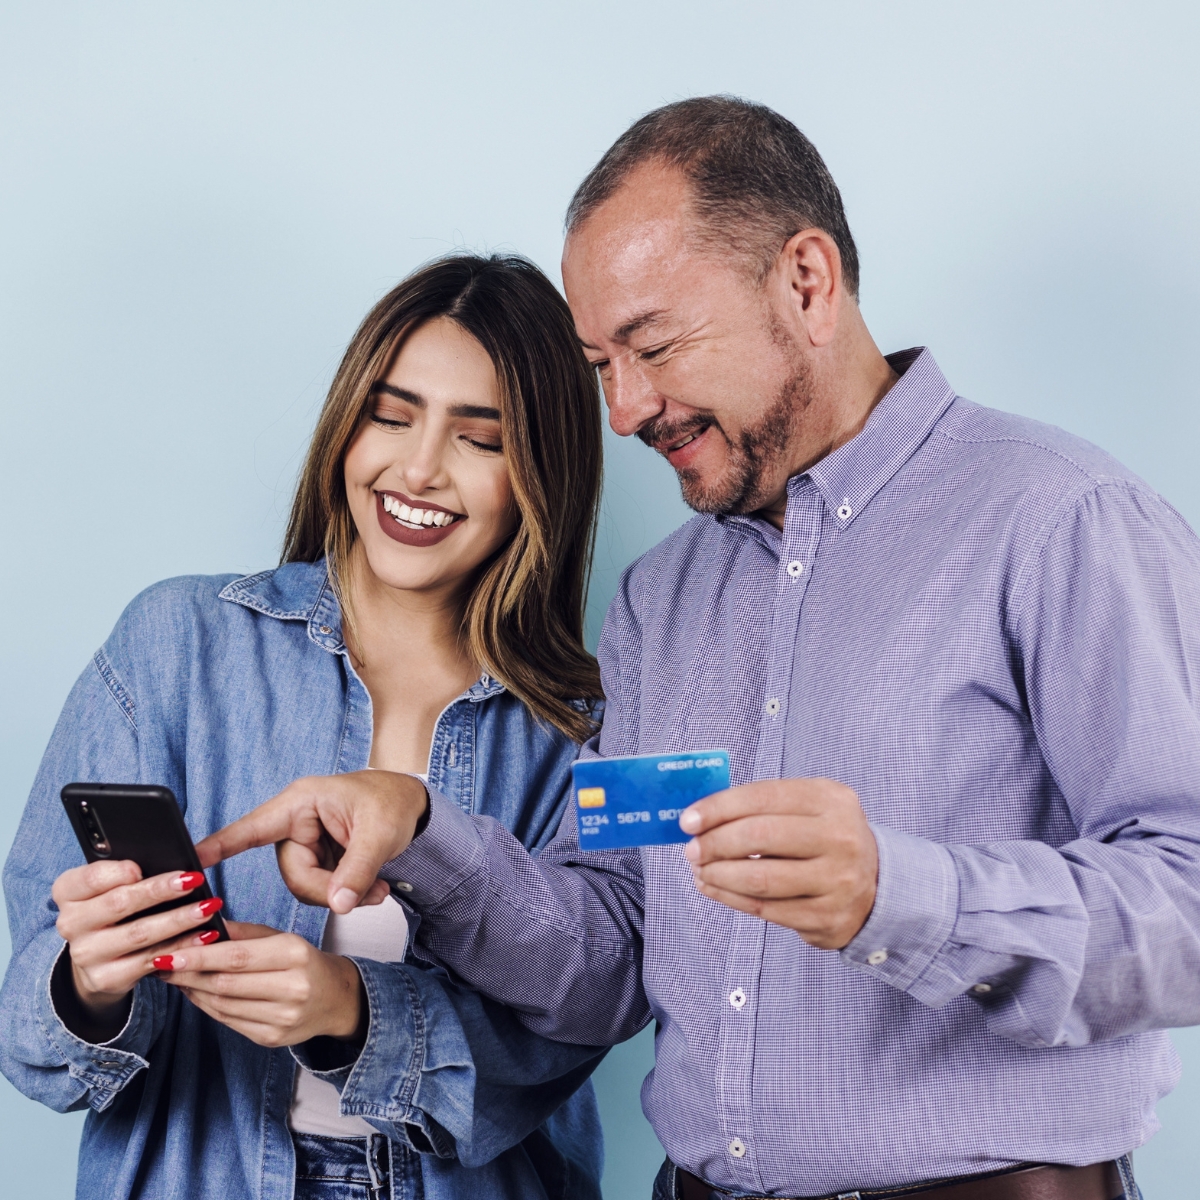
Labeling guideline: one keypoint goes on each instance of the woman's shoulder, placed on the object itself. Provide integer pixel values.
(171, 605)
(167, 625)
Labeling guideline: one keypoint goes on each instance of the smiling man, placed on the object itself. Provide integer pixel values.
(928, 942)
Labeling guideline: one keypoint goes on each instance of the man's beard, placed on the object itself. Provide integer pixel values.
(748, 481)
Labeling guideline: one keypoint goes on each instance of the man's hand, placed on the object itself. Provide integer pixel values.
(274, 988)
(798, 852)
(332, 834)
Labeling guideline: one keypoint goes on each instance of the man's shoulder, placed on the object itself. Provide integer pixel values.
(1028, 453)
(697, 536)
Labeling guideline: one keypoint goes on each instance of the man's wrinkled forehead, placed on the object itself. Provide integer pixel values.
(625, 263)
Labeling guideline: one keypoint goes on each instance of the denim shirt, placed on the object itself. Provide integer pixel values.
(226, 689)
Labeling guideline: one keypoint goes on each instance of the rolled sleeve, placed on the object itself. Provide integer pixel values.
(102, 1068)
(916, 905)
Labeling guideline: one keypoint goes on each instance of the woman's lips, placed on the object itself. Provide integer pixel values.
(427, 535)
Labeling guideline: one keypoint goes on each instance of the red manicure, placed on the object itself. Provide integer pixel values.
(208, 907)
(208, 937)
(189, 880)
(164, 962)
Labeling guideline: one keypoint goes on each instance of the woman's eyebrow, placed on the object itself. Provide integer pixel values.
(400, 393)
(478, 411)
(474, 410)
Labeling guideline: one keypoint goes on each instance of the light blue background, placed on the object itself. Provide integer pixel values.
(198, 203)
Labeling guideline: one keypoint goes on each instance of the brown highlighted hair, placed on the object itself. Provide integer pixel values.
(755, 178)
(523, 620)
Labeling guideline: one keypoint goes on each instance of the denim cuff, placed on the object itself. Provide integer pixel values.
(379, 1080)
(103, 1068)
(916, 905)
(449, 851)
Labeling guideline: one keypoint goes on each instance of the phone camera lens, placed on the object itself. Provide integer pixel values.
(94, 832)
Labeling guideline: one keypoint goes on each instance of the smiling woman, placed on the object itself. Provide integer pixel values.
(474, 364)
(427, 620)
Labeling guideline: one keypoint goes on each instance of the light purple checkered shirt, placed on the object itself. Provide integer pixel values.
(991, 631)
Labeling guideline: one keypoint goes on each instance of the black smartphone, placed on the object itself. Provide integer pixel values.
(141, 822)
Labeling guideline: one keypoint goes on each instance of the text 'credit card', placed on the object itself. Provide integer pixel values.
(637, 801)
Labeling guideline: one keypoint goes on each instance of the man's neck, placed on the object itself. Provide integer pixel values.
(848, 401)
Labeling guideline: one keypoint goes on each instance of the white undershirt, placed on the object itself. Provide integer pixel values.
(379, 932)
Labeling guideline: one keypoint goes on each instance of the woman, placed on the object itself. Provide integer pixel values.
(427, 619)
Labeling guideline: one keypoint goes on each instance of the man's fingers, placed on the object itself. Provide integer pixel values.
(766, 878)
(805, 797)
(379, 834)
(269, 823)
(305, 878)
(768, 834)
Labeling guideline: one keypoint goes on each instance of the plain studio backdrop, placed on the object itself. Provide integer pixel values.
(199, 203)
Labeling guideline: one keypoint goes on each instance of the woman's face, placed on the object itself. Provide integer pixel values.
(425, 474)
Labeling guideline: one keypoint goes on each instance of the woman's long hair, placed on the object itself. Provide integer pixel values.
(524, 617)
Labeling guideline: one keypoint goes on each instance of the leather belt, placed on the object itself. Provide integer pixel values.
(1100, 1181)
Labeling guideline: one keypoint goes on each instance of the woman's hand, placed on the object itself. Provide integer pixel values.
(108, 958)
(372, 814)
(274, 988)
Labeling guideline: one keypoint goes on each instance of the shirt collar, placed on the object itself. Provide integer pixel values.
(304, 592)
(849, 478)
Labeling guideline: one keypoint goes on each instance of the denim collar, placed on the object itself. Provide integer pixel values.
(304, 592)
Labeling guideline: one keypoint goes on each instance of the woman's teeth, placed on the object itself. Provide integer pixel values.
(414, 518)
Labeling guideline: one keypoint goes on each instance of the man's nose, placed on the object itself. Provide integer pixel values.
(631, 398)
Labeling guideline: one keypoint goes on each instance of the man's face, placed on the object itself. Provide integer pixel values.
(693, 354)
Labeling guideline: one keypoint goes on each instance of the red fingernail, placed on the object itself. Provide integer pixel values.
(208, 937)
(208, 907)
(189, 880)
(164, 962)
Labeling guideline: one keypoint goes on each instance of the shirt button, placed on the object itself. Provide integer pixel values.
(737, 998)
(982, 989)
(771, 707)
(737, 1148)
(326, 629)
(877, 958)
(795, 568)
(845, 512)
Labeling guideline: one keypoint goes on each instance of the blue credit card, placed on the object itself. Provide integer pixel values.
(637, 801)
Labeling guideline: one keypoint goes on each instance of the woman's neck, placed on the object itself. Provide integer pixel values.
(408, 649)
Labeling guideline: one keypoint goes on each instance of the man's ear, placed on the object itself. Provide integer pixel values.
(810, 269)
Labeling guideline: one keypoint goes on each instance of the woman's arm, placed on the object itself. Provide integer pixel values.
(95, 739)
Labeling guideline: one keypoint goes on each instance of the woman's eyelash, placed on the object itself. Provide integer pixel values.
(388, 422)
(494, 447)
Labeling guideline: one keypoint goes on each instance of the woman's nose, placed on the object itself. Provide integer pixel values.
(425, 467)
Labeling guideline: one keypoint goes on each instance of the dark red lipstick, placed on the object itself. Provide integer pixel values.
(398, 530)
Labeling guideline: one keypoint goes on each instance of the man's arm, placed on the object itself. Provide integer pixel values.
(1095, 939)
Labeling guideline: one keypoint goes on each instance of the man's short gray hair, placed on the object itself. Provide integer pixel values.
(756, 179)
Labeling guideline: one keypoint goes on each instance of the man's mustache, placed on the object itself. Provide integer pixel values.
(661, 433)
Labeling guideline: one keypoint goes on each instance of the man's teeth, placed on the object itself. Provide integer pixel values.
(416, 517)
(691, 437)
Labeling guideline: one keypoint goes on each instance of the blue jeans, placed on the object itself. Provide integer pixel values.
(665, 1189)
(354, 1168)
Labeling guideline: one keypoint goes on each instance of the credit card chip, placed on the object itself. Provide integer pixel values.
(592, 797)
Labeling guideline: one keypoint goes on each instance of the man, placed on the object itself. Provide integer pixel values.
(932, 934)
